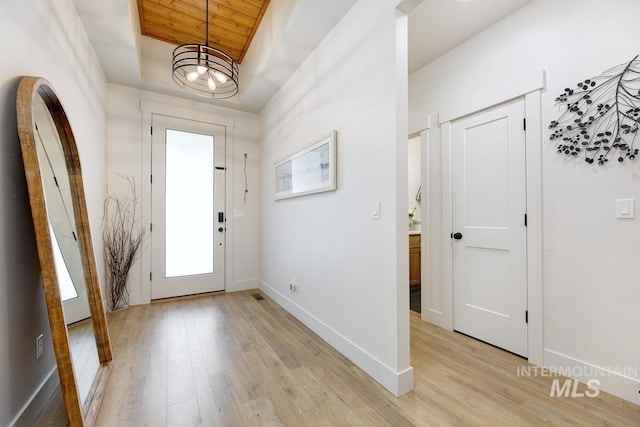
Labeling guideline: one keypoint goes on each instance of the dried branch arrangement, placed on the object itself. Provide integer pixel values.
(123, 235)
(601, 115)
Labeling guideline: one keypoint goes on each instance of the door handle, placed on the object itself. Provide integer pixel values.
(456, 236)
(220, 229)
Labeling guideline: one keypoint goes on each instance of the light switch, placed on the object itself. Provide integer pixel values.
(375, 210)
(625, 208)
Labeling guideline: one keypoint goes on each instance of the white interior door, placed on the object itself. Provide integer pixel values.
(489, 207)
(188, 214)
(62, 225)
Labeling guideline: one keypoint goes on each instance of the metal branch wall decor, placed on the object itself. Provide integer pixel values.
(601, 116)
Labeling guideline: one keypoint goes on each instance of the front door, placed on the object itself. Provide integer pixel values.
(489, 207)
(188, 214)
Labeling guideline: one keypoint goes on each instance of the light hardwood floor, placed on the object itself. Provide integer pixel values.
(231, 360)
(85, 355)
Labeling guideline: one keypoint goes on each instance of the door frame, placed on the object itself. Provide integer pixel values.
(426, 264)
(530, 88)
(149, 109)
(202, 282)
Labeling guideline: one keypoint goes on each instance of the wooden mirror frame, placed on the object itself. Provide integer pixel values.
(78, 413)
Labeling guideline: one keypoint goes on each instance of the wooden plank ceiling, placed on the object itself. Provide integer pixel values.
(232, 23)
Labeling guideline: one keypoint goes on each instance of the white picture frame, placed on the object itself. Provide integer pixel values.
(308, 171)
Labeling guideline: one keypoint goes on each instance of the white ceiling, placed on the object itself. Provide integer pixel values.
(437, 26)
(290, 29)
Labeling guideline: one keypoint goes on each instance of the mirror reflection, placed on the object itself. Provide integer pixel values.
(66, 250)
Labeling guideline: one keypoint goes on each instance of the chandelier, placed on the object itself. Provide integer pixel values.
(204, 70)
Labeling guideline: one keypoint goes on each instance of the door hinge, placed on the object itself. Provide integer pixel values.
(56, 181)
(524, 124)
(151, 130)
(150, 227)
(151, 179)
(150, 276)
(525, 220)
(526, 316)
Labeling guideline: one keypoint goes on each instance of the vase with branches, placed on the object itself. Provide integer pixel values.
(123, 237)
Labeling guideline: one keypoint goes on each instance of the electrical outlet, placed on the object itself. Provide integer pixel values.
(293, 285)
(39, 346)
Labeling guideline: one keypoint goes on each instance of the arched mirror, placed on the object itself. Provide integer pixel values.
(69, 275)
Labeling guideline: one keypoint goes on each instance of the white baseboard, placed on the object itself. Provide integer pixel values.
(240, 285)
(32, 409)
(613, 380)
(397, 383)
(435, 317)
(243, 285)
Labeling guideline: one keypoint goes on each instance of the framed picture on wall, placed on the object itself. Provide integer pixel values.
(311, 170)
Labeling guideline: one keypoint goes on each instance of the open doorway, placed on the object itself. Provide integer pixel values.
(415, 223)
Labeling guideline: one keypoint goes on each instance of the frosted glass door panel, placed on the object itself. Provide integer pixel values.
(67, 289)
(189, 205)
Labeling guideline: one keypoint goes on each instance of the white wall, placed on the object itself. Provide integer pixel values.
(125, 156)
(351, 278)
(591, 276)
(41, 39)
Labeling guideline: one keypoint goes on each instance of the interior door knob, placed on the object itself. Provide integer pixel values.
(220, 229)
(457, 236)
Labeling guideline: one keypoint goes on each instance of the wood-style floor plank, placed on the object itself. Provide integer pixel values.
(231, 360)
